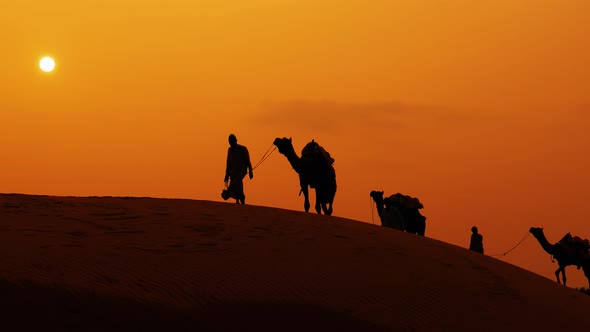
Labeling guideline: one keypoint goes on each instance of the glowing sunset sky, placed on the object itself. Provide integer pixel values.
(479, 108)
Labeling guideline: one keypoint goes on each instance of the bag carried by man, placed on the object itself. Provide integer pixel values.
(225, 193)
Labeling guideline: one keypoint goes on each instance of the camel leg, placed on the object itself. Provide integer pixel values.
(562, 271)
(306, 204)
(422, 227)
(328, 211)
(326, 204)
(321, 202)
(327, 208)
(586, 269)
(318, 198)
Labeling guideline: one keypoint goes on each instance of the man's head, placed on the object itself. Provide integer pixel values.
(233, 141)
(474, 229)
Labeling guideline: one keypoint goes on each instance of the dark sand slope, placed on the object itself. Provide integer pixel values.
(129, 264)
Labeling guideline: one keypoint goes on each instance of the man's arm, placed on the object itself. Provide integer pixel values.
(249, 164)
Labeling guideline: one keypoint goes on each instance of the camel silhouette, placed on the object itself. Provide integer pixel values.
(315, 170)
(565, 256)
(400, 212)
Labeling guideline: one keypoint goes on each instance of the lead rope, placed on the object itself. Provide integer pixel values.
(519, 242)
(265, 156)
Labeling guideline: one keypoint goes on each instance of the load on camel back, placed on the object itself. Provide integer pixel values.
(404, 201)
(575, 247)
(314, 149)
(400, 212)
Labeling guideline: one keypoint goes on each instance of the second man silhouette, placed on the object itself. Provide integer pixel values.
(476, 243)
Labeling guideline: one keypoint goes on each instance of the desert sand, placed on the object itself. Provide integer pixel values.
(147, 264)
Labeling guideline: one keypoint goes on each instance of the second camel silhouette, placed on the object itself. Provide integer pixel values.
(400, 212)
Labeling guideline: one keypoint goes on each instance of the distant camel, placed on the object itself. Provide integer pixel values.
(564, 256)
(315, 170)
(400, 212)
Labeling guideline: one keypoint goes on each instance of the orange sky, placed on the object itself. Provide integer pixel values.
(479, 108)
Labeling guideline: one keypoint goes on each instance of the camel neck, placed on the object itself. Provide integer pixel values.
(548, 247)
(293, 159)
(379, 203)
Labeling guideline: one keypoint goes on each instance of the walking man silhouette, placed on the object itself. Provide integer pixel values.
(237, 166)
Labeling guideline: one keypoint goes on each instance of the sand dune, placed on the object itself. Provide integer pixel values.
(130, 264)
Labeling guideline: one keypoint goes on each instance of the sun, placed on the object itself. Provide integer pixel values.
(47, 64)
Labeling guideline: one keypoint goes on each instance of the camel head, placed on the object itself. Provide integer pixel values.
(536, 230)
(539, 235)
(284, 145)
(377, 196)
(552, 249)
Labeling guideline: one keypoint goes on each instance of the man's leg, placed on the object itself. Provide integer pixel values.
(236, 187)
(241, 195)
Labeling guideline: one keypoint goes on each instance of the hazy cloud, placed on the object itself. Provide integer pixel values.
(333, 116)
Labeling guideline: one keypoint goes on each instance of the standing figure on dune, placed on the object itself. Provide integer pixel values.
(237, 166)
(476, 242)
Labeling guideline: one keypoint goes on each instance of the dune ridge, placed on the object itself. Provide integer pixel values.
(152, 264)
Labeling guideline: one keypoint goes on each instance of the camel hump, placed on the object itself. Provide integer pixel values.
(406, 201)
(576, 244)
(570, 240)
(314, 148)
(580, 243)
(567, 239)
